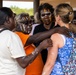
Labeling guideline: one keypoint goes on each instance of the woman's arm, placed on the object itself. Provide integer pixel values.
(52, 53)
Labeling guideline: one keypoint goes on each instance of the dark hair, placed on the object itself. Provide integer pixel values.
(5, 13)
(45, 6)
(23, 15)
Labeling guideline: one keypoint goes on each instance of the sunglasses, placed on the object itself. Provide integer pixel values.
(46, 14)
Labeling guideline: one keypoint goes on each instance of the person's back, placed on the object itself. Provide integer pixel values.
(9, 44)
(8, 64)
(59, 54)
(63, 55)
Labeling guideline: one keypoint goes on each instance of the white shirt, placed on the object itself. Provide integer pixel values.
(33, 27)
(10, 48)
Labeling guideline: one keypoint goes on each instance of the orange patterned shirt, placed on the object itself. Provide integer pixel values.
(35, 68)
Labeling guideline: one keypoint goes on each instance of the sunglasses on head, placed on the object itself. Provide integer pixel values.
(46, 14)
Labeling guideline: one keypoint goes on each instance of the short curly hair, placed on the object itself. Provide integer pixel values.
(45, 6)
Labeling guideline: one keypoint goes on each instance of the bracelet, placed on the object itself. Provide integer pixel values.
(35, 51)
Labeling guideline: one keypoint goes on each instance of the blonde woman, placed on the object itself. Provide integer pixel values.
(58, 55)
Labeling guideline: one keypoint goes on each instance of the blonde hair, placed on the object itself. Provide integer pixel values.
(65, 11)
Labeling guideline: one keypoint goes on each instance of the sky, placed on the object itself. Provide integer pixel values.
(20, 4)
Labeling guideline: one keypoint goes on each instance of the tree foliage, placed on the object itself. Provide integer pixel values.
(18, 10)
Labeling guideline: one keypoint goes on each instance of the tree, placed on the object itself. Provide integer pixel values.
(18, 10)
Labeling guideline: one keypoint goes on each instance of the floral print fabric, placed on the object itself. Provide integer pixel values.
(63, 57)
